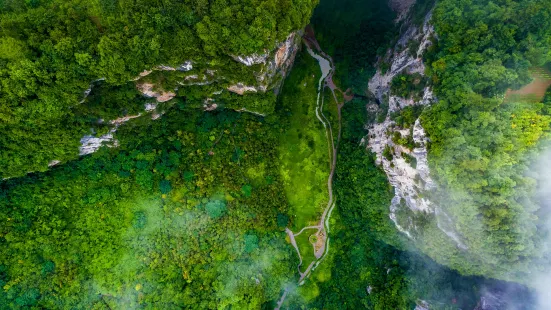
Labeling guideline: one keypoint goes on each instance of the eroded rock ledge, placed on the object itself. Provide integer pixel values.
(273, 68)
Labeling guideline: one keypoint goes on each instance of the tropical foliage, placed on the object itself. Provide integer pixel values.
(189, 211)
(480, 144)
(172, 219)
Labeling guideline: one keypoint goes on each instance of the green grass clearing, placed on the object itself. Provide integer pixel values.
(303, 148)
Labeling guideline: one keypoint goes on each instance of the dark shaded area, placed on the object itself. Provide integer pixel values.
(354, 32)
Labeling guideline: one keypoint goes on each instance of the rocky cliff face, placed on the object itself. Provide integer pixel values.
(91, 143)
(270, 69)
(402, 60)
(261, 73)
(401, 7)
(274, 66)
(407, 168)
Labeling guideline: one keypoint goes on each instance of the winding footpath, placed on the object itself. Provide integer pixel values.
(322, 238)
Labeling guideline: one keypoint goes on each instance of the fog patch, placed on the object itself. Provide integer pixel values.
(262, 270)
(540, 278)
(124, 283)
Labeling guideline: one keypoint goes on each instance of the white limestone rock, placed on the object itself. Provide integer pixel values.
(401, 60)
(150, 107)
(186, 66)
(241, 89)
(54, 163)
(253, 59)
(409, 182)
(147, 90)
(276, 64)
(252, 112)
(165, 68)
(90, 144)
(422, 305)
(209, 104)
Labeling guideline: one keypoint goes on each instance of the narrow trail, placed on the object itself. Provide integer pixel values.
(305, 228)
(326, 80)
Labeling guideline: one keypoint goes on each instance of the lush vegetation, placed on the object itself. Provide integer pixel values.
(408, 86)
(50, 51)
(303, 149)
(189, 210)
(369, 266)
(187, 213)
(363, 211)
(481, 144)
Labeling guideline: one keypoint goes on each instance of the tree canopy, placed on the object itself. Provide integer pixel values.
(481, 144)
(51, 50)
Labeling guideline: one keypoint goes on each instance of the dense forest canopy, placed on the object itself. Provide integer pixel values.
(192, 209)
(50, 52)
(158, 223)
(181, 185)
(480, 144)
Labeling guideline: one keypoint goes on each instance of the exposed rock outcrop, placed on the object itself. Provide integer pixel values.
(54, 163)
(147, 89)
(276, 64)
(401, 7)
(253, 59)
(184, 67)
(400, 173)
(407, 180)
(209, 104)
(422, 305)
(407, 169)
(273, 67)
(241, 89)
(91, 143)
(402, 60)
